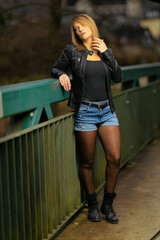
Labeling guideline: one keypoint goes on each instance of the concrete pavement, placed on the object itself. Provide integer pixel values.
(137, 204)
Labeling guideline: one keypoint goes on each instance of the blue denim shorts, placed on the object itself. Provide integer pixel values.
(89, 118)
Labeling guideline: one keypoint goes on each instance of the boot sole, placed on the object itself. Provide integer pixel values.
(108, 220)
(94, 220)
(113, 222)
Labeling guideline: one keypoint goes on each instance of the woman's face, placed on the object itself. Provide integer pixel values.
(82, 31)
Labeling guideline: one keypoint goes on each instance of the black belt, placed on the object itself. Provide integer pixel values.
(100, 105)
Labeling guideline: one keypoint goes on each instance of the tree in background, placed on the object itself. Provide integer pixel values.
(29, 39)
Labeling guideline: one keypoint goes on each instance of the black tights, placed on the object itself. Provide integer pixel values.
(110, 139)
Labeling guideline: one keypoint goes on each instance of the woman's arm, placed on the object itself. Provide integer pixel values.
(60, 67)
(116, 72)
(107, 55)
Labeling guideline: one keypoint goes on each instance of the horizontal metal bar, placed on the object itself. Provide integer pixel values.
(24, 97)
(136, 71)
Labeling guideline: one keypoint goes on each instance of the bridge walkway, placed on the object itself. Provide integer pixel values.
(137, 203)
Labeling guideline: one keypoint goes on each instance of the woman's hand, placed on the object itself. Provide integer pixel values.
(99, 45)
(65, 82)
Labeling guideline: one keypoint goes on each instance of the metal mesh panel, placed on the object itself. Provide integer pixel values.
(139, 117)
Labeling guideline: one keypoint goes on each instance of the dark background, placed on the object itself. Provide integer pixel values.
(33, 33)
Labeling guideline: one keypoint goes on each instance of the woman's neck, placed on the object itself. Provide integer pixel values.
(88, 44)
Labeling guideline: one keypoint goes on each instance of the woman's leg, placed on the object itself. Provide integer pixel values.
(86, 145)
(110, 139)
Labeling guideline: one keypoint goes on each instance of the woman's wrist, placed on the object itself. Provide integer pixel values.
(104, 50)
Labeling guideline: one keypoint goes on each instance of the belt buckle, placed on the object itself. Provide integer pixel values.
(99, 105)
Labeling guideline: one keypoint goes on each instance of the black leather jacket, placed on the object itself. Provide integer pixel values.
(75, 59)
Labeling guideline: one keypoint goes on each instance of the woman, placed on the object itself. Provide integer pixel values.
(93, 66)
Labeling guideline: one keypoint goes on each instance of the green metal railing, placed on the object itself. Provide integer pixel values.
(25, 102)
(39, 185)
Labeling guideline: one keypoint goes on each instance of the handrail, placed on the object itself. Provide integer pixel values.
(31, 98)
(18, 98)
(137, 71)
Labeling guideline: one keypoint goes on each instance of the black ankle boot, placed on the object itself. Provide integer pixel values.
(107, 209)
(93, 208)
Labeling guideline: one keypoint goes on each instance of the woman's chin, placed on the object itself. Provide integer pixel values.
(85, 39)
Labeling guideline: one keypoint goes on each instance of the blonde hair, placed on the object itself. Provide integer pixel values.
(87, 21)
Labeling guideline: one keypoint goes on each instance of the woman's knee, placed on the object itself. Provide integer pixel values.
(87, 163)
(114, 160)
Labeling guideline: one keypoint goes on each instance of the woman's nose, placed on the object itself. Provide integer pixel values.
(80, 28)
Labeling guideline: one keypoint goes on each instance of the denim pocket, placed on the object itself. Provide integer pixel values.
(84, 108)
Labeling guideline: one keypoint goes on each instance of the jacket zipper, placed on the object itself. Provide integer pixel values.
(83, 65)
(107, 81)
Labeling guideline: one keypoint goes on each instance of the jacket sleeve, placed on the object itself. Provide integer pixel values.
(62, 64)
(116, 72)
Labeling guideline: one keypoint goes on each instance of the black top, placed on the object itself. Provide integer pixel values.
(95, 81)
